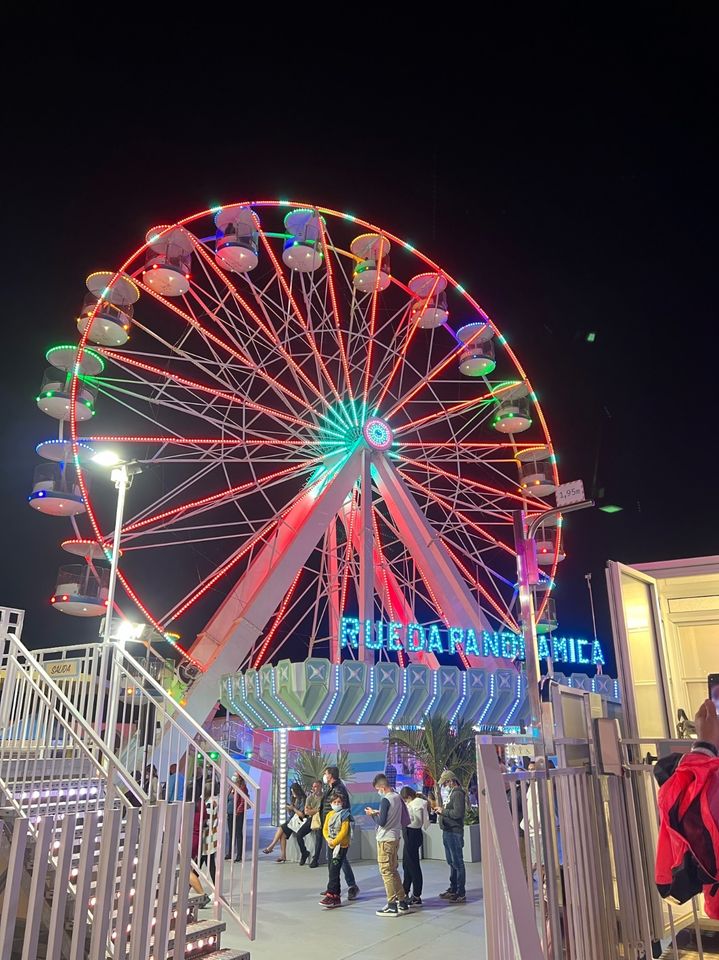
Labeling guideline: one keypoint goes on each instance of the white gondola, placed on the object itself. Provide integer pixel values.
(512, 414)
(430, 307)
(372, 270)
(89, 549)
(81, 590)
(56, 490)
(547, 539)
(478, 359)
(168, 261)
(236, 242)
(60, 451)
(55, 397)
(108, 308)
(302, 250)
(536, 471)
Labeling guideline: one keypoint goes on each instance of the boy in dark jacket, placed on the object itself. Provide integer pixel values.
(451, 820)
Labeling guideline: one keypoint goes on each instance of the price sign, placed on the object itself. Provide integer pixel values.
(567, 493)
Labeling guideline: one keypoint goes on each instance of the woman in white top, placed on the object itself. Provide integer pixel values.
(412, 836)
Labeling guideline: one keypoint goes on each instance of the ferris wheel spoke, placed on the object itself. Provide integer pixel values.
(264, 325)
(503, 612)
(433, 374)
(298, 314)
(335, 309)
(474, 484)
(482, 400)
(222, 495)
(461, 515)
(203, 388)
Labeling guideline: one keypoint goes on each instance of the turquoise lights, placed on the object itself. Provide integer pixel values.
(415, 637)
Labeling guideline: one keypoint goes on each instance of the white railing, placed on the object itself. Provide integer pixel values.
(117, 863)
(167, 748)
(151, 730)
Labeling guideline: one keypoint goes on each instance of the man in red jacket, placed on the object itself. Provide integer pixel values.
(688, 801)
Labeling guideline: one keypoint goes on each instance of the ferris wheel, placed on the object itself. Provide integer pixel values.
(329, 427)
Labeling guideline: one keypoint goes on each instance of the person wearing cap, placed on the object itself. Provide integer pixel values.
(451, 820)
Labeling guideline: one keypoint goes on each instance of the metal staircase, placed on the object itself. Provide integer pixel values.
(94, 861)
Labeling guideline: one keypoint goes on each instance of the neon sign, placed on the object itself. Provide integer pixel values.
(414, 637)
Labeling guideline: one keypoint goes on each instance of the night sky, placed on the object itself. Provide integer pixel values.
(565, 175)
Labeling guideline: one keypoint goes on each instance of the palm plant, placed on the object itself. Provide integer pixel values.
(440, 745)
(311, 764)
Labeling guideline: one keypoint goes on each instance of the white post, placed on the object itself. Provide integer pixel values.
(122, 481)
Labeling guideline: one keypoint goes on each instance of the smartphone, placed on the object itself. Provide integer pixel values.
(713, 684)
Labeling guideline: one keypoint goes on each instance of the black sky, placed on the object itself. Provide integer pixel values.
(562, 168)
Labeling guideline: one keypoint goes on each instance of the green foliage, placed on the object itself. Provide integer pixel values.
(439, 746)
(310, 765)
(471, 815)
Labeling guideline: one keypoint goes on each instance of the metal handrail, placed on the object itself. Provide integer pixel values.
(113, 763)
(189, 720)
(181, 737)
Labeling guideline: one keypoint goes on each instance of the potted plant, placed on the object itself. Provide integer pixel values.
(440, 745)
(311, 764)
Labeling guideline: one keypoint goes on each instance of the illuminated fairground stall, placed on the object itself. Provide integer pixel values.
(333, 438)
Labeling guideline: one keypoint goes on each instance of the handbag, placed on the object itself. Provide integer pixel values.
(316, 821)
(294, 823)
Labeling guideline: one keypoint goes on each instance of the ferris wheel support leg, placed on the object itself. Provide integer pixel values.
(437, 567)
(333, 592)
(366, 541)
(391, 595)
(227, 640)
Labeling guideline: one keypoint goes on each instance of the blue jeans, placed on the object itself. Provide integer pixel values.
(453, 847)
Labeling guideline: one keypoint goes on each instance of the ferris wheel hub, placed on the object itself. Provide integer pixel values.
(377, 434)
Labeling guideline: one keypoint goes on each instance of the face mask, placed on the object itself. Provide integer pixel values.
(380, 793)
(444, 791)
(336, 806)
(325, 778)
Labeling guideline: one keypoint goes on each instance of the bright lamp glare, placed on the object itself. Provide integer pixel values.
(129, 631)
(107, 458)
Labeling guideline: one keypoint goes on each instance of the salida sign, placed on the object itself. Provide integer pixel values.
(415, 637)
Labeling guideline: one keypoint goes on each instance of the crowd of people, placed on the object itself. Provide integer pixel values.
(401, 817)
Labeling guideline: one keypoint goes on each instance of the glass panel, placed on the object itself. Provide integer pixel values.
(642, 644)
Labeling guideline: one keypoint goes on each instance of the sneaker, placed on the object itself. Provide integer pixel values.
(389, 911)
(330, 900)
(415, 902)
(352, 892)
(458, 899)
(448, 894)
(313, 864)
(403, 906)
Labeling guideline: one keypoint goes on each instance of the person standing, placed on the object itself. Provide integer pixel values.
(336, 831)
(312, 823)
(333, 784)
(390, 819)
(451, 820)
(236, 818)
(412, 835)
(175, 785)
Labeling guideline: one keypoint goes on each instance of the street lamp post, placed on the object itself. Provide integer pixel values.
(122, 475)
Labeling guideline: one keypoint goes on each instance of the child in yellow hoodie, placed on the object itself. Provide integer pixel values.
(336, 831)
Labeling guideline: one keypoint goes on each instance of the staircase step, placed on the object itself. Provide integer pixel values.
(227, 953)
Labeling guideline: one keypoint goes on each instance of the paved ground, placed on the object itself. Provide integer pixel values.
(291, 924)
